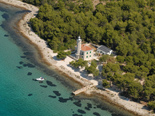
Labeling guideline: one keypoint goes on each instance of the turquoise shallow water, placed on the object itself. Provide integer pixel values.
(20, 95)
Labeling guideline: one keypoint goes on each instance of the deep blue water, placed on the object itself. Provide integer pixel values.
(20, 95)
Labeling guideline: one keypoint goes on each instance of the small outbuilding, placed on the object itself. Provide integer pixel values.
(104, 50)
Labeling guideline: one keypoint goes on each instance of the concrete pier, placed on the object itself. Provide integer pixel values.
(93, 84)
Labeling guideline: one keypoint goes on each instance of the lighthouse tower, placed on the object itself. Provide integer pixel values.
(78, 47)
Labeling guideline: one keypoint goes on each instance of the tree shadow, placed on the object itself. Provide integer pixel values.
(145, 107)
(73, 68)
(114, 88)
(84, 74)
(55, 58)
(100, 68)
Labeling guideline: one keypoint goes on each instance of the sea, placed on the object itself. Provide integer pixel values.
(20, 65)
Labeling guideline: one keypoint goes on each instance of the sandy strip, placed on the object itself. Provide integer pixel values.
(48, 55)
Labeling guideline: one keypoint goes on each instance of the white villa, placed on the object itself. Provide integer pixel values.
(104, 50)
(84, 51)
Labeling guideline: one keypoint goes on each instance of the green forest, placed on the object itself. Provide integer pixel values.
(126, 26)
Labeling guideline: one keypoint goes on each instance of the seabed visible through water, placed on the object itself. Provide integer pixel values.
(21, 95)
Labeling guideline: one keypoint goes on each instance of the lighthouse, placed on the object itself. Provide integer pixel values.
(78, 47)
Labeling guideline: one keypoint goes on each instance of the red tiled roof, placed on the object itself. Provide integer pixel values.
(85, 47)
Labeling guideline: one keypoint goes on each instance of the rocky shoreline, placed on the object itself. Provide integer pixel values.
(47, 57)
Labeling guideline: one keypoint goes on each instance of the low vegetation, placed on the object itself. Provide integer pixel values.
(79, 63)
(126, 26)
(62, 54)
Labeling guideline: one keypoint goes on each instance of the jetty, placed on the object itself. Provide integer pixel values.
(92, 84)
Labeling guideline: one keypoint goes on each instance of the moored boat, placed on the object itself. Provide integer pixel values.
(40, 79)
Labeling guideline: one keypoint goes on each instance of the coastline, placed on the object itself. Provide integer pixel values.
(47, 58)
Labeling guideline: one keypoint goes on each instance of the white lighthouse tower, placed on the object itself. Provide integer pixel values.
(78, 47)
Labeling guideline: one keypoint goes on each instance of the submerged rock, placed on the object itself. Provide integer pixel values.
(57, 93)
(78, 103)
(81, 111)
(64, 100)
(96, 114)
(30, 94)
(29, 73)
(52, 96)
(45, 86)
(50, 83)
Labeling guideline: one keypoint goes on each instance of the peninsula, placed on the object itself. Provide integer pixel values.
(49, 57)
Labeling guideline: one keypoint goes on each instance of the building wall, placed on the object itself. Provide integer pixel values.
(109, 53)
(102, 52)
(87, 55)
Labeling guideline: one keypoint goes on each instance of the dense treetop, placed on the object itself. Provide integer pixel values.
(126, 26)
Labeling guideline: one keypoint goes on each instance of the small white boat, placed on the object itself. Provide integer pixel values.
(40, 79)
